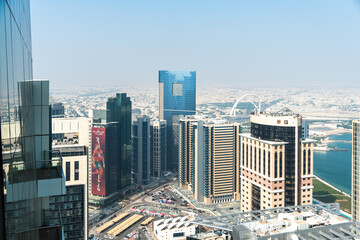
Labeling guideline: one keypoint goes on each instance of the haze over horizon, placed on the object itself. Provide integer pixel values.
(238, 43)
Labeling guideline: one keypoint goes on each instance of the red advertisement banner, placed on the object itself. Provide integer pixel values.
(98, 161)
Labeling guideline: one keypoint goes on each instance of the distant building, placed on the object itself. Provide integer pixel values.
(208, 164)
(98, 115)
(177, 97)
(305, 130)
(141, 150)
(57, 110)
(158, 148)
(355, 185)
(174, 228)
(276, 164)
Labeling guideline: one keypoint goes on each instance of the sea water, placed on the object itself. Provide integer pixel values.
(335, 166)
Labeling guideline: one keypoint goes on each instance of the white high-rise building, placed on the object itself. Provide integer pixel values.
(158, 148)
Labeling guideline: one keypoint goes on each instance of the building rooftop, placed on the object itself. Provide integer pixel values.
(207, 120)
(268, 222)
(277, 143)
(284, 112)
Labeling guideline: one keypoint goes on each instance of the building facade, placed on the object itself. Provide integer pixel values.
(73, 206)
(208, 165)
(141, 150)
(177, 96)
(355, 185)
(70, 137)
(276, 163)
(158, 148)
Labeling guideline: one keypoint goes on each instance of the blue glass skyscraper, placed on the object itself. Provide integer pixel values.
(177, 97)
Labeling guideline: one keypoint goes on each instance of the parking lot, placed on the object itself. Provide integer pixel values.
(168, 196)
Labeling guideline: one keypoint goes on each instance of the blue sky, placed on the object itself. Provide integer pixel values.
(253, 43)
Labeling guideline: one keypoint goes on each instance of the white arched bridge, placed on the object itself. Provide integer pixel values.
(257, 108)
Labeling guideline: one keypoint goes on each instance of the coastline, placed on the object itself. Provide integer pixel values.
(335, 188)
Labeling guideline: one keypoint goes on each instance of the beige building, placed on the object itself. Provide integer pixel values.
(71, 138)
(208, 165)
(276, 163)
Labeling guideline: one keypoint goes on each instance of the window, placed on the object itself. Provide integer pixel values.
(67, 171)
(180, 234)
(76, 170)
(177, 89)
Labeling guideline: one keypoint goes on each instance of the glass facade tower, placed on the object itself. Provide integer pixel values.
(119, 112)
(177, 98)
(32, 175)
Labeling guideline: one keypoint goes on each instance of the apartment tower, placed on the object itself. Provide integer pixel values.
(207, 159)
(276, 163)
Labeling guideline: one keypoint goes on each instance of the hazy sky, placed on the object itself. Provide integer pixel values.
(260, 43)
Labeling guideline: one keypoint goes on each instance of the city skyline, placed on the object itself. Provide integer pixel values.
(237, 44)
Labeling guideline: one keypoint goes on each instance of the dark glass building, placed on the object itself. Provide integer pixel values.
(119, 112)
(177, 97)
(141, 150)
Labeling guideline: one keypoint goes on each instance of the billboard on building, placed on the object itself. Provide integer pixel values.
(98, 161)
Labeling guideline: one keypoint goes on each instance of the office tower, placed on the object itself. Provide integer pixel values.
(177, 91)
(276, 164)
(208, 165)
(57, 110)
(70, 136)
(141, 150)
(119, 112)
(158, 148)
(355, 177)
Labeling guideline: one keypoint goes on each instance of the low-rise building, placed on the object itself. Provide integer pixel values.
(174, 228)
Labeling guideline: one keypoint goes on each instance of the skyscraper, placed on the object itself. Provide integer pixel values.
(177, 91)
(355, 178)
(32, 174)
(208, 159)
(158, 148)
(141, 150)
(119, 112)
(276, 163)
